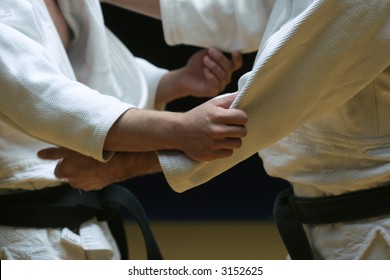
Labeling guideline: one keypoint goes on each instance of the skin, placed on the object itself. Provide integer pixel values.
(150, 8)
(207, 132)
(63, 29)
(89, 174)
(206, 73)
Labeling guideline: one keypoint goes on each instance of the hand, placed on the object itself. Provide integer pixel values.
(86, 173)
(212, 130)
(208, 72)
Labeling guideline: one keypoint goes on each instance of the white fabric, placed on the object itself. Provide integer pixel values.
(317, 100)
(93, 242)
(67, 98)
(98, 82)
(242, 27)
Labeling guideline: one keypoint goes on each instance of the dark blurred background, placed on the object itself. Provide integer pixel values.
(244, 192)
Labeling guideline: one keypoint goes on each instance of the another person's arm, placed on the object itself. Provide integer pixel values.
(206, 74)
(89, 174)
(306, 66)
(231, 32)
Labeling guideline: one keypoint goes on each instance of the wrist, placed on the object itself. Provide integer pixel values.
(140, 164)
(170, 88)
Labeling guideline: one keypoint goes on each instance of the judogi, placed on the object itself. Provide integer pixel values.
(66, 97)
(317, 98)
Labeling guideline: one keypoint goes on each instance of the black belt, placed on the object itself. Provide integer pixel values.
(64, 206)
(290, 212)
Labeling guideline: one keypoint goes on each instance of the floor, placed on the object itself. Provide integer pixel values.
(210, 240)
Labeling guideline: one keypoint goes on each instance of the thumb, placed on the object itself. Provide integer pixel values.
(224, 100)
(237, 60)
(52, 153)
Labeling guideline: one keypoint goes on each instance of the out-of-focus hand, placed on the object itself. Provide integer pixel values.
(208, 72)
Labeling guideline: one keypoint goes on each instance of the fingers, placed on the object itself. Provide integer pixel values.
(220, 68)
(88, 185)
(81, 171)
(237, 60)
(224, 64)
(231, 143)
(228, 115)
(53, 153)
(224, 100)
(223, 153)
(225, 149)
(235, 131)
(214, 84)
(228, 137)
(74, 179)
(233, 117)
(58, 170)
(218, 65)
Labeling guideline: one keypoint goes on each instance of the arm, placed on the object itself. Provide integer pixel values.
(206, 74)
(41, 101)
(242, 32)
(207, 132)
(299, 75)
(89, 174)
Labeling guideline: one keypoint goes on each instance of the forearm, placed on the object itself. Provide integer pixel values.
(206, 132)
(86, 173)
(140, 164)
(144, 130)
(124, 166)
(149, 8)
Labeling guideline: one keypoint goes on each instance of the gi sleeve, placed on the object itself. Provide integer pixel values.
(153, 75)
(226, 24)
(316, 61)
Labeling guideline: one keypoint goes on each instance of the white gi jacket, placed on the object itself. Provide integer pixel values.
(318, 100)
(67, 98)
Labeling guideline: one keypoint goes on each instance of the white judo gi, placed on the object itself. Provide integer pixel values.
(40, 83)
(317, 98)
